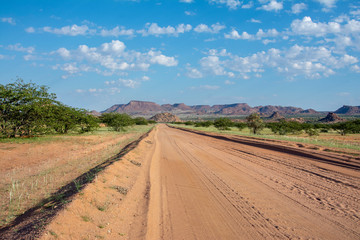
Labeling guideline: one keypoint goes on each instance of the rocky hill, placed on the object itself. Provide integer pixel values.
(135, 107)
(275, 116)
(349, 110)
(331, 117)
(165, 117)
(150, 108)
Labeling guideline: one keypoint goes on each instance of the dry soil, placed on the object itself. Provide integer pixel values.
(182, 185)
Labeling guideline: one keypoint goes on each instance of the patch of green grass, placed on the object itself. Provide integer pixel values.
(101, 226)
(52, 233)
(86, 218)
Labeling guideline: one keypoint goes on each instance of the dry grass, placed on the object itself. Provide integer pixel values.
(330, 139)
(32, 169)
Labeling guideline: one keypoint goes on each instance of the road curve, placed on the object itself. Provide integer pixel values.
(208, 188)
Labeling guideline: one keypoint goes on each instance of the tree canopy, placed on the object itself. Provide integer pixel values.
(27, 109)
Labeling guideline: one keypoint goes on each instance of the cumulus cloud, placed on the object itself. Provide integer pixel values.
(117, 31)
(258, 36)
(194, 73)
(327, 3)
(235, 35)
(231, 4)
(8, 20)
(344, 32)
(111, 57)
(273, 5)
(155, 29)
(298, 8)
(157, 57)
(214, 28)
(307, 27)
(129, 83)
(255, 20)
(311, 62)
(73, 30)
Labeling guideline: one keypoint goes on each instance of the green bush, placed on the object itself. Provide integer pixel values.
(223, 123)
(27, 109)
(204, 124)
(118, 122)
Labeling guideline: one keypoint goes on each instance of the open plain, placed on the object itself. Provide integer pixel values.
(187, 185)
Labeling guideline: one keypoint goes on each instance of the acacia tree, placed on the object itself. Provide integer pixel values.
(27, 109)
(117, 121)
(255, 123)
(23, 108)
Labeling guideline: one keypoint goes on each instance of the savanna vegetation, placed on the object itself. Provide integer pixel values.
(28, 110)
(45, 144)
(308, 132)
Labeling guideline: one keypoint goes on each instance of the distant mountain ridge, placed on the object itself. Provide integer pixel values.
(349, 110)
(151, 108)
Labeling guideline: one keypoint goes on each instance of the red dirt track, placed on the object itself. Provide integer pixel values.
(192, 186)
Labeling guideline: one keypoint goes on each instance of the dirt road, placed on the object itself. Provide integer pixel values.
(199, 187)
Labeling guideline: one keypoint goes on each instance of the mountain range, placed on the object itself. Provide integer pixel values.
(150, 108)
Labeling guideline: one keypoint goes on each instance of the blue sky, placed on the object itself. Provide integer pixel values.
(94, 54)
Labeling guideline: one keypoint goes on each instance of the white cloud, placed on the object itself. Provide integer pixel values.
(327, 3)
(235, 35)
(30, 30)
(186, 1)
(228, 82)
(129, 83)
(298, 8)
(231, 4)
(269, 33)
(214, 28)
(145, 78)
(73, 30)
(17, 47)
(213, 65)
(344, 32)
(246, 36)
(311, 62)
(255, 20)
(156, 30)
(194, 73)
(63, 52)
(273, 5)
(307, 27)
(110, 58)
(190, 13)
(8, 20)
(117, 31)
(250, 4)
(157, 57)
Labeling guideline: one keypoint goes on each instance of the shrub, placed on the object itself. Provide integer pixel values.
(255, 123)
(223, 123)
(117, 121)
